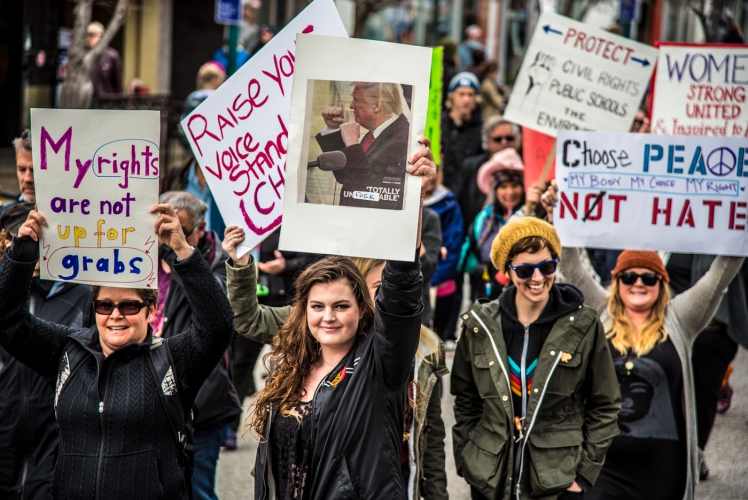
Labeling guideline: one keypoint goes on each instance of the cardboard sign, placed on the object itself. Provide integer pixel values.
(239, 135)
(577, 77)
(96, 178)
(700, 89)
(642, 191)
(434, 116)
(536, 147)
(354, 127)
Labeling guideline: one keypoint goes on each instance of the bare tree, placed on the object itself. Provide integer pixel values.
(708, 12)
(77, 89)
(365, 8)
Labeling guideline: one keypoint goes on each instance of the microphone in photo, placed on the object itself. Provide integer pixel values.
(330, 161)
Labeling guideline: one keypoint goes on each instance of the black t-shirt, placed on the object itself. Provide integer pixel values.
(648, 459)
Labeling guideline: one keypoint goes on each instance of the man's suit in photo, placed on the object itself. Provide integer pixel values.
(381, 168)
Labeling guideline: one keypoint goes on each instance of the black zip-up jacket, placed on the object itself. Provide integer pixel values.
(115, 439)
(217, 400)
(357, 433)
(458, 143)
(28, 431)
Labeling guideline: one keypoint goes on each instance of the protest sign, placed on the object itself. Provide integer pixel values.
(434, 117)
(536, 148)
(643, 191)
(700, 89)
(578, 77)
(353, 129)
(96, 178)
(239, 135)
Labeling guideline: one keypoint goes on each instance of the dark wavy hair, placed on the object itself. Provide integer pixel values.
(295, 351)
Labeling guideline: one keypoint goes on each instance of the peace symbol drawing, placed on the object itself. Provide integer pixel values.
(721, 161)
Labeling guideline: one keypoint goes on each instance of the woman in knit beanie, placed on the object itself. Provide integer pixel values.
(501, 178)
(536, 396)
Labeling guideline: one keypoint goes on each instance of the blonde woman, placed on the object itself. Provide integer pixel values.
(650, 336)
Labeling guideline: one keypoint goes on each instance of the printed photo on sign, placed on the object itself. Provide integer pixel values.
(358, 144)
(352, 130)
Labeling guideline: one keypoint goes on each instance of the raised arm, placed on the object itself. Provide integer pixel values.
(197, 350)
(255, 321)
(695, 307)
(573, 272)
(34, 342)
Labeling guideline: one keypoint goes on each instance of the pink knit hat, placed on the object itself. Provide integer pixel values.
(507, 159)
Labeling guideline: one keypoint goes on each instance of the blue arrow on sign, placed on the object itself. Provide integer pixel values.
(548, 28)
(643, 62)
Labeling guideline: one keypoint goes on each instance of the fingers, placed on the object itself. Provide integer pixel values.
(425, 141)
(424, 152)
(163, 208)
(278, 255)
(33, 226)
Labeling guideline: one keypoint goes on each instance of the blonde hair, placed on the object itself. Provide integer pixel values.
(387, 93)
(622, 333)
(209, 72)
(427, 337)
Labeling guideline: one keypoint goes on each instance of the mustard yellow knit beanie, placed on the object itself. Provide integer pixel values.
(517, 230)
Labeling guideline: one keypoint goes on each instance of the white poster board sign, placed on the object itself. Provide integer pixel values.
(239, 135)
(96, 178)
(578, 77)
(642, 191)
(353, 129)
(701, 89)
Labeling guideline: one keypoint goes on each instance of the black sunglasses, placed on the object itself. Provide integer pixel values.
(126, 307)
(639, 122)
(648, 279)
(502, 138)
(525, 271)
(188, 233)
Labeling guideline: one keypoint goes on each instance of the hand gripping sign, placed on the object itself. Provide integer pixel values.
(700, 89)
(96, 178)
(578, 77)
(239, 135)
(652, 192)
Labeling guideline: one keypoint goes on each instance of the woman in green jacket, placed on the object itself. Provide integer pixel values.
(424, 470)
(536, 396)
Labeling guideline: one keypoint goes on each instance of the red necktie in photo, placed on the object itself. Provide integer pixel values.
(368, 139)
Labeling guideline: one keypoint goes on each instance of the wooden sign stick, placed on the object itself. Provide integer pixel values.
(548, 163)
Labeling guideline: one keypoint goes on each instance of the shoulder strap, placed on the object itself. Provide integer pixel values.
(164, 374)
(70, 360)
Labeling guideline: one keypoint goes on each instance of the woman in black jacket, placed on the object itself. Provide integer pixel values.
(116, 441)
(331, 416)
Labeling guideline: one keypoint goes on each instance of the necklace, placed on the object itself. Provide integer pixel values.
(629, 365)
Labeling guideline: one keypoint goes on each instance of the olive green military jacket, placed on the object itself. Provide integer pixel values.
(571, 413)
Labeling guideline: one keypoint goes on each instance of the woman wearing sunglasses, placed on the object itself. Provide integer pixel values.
(116, 440)
(536, 396)
(655, 456)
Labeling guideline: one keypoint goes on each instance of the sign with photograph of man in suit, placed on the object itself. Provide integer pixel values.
(360, 148)
(358, 110)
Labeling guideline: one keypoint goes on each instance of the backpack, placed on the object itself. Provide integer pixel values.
(163, 370)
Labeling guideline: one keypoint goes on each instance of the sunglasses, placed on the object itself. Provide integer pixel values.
(638, 121)
(126, 307)
(525, 271)
(648, 279)
(188, 233)
(503, 138)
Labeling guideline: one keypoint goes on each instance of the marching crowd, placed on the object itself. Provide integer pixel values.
(576, 373)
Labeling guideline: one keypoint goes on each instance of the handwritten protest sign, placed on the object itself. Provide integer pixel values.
(578, 77)
(96, 178)
(700, 89)
(643, 191)
(353, 129)
(239, 135)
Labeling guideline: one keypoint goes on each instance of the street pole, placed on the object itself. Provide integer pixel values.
(233, 42)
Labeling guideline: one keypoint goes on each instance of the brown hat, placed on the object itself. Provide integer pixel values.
(647, 259)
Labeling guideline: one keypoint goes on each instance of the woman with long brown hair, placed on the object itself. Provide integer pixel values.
(331, 416)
